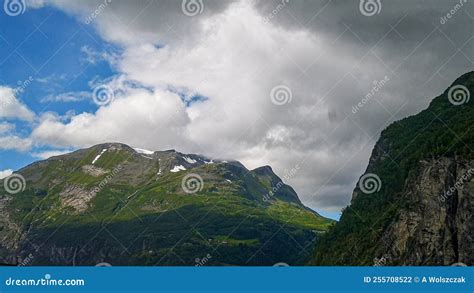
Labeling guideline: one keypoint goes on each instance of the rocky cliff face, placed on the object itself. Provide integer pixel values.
(415, 203)
(436, 225)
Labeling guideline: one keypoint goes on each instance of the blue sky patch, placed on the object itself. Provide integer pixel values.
(33, 49)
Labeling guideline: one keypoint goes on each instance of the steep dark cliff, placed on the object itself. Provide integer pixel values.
(415, 203)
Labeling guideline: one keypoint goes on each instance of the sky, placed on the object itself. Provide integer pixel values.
(294, 84)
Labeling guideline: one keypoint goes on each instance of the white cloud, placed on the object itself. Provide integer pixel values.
(148, 116)
(235, 62)
(6, 127)
(233, 56)
(13, 142)
(5, 173)
(67, 97)
(11, 107)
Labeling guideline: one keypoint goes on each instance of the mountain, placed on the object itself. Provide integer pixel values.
(415, 203)
(115, 204)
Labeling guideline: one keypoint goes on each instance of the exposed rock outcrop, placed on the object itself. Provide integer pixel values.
(76, 197)
(436, 226)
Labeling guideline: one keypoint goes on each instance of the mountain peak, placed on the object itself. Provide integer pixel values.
(263, 170)
(117, 145)
(148, 200)
(140, 165)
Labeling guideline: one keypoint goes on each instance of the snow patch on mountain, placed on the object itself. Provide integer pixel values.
(177, 168)
(98, 156)
(143, 151)
(189, 160)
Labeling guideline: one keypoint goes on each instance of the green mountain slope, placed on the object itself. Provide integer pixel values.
(414, 218)
(112, 203)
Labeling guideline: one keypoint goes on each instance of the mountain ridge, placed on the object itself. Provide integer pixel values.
(127, 206)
